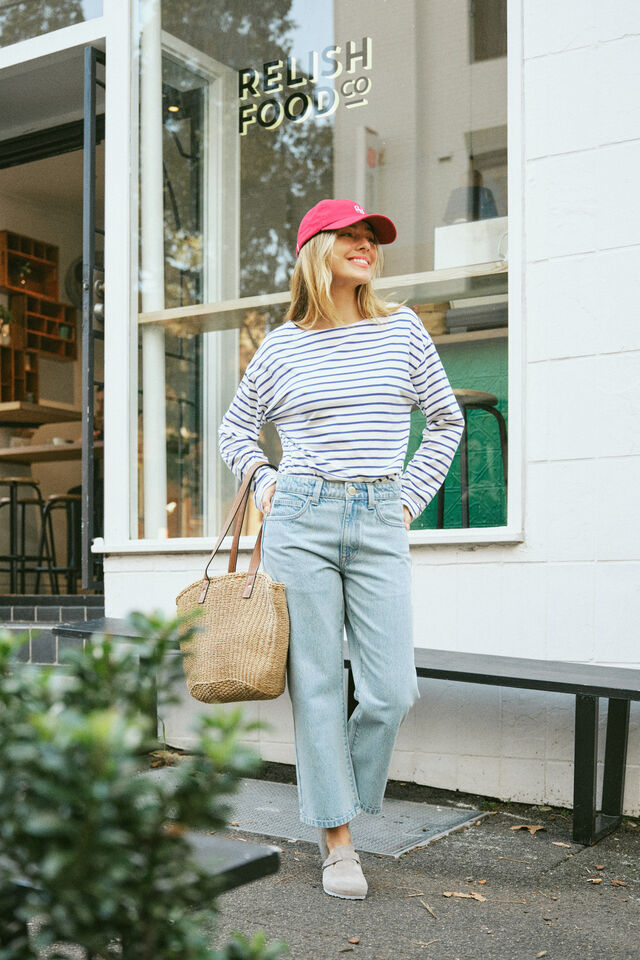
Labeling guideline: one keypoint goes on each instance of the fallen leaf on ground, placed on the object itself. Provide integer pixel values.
(481, 881)
(542, 953)
(174, 829)
(354, 940)
(599, 866)
(531, 827)
(559, 843)
(594, 879)
(424, 943)
(618, 883)
(169, 758)
(463, 896)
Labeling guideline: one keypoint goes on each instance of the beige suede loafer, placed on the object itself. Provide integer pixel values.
(342, 874)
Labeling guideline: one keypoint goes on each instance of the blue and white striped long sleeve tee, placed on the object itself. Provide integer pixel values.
(341, 400)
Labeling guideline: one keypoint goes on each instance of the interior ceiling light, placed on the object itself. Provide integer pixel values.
(174, 108)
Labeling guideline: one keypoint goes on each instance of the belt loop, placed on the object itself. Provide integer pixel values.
(371, 491)
(316, 491)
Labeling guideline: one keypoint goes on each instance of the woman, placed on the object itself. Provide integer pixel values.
(339, 379)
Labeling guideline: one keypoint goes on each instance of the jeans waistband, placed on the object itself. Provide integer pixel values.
(369, 490)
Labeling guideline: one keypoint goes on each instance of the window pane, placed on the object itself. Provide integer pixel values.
(23, 19)
(264, 110)
(489, 29)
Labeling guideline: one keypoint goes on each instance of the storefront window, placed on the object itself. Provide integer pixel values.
(249, 114)
(23, 19)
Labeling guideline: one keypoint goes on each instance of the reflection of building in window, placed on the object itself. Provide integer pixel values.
(488, 157)
(21, 21)
(473, 201)
(488, 32)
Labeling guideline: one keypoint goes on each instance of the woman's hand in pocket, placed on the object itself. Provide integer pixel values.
(268, 497)
(407, 517)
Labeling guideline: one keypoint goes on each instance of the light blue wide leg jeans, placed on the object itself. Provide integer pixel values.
(342, 551)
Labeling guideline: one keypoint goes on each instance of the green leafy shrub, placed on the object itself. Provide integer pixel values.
(97, 854)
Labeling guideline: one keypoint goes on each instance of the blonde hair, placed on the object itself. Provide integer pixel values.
(311, 286)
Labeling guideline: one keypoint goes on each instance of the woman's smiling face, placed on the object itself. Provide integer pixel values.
(354, 254)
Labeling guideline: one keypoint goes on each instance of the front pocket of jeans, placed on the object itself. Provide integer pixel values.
(288, 506)
(390, 512)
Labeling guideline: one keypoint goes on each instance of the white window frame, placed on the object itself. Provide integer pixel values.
(121, 312)
(221, 273)
(76, 35)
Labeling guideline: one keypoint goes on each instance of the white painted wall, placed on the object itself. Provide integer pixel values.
(571, 590)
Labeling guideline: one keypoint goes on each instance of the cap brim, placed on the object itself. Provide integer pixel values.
(383, 227)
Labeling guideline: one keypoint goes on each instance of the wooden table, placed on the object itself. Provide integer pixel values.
(42, 453)
(14, 412)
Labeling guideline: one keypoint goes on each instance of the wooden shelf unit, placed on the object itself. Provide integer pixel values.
(28, 266)
(18, 375)
(40, 326)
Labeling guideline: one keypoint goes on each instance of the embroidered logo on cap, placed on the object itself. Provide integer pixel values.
(357, 208)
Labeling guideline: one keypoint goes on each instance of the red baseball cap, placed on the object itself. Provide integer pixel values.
(334, 214)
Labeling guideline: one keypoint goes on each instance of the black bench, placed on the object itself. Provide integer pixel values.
(588, 682)
(231, 862)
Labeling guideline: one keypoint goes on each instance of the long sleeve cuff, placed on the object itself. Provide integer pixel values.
(263, 478)
(412, 506)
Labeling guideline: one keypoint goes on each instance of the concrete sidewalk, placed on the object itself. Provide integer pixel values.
(539, 890)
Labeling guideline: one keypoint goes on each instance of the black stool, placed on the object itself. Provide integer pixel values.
(71, 504)
(473, 400)
(19, 561)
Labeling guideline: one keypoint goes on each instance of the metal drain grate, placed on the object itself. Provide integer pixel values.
(271, 809)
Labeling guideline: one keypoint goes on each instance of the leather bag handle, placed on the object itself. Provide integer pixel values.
(236, 513)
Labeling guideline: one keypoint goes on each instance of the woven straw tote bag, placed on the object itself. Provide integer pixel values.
(239, 651)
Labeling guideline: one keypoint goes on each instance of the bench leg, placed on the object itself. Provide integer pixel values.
(615, 757)
(585, 769)
(588, 826)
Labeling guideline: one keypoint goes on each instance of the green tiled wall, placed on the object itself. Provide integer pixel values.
(478, 365)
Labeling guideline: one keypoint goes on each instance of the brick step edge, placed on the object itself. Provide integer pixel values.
(41, 646)
(49, 613)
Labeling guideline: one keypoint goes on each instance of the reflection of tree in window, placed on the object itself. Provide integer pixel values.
(283, 171)
(19, 21)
